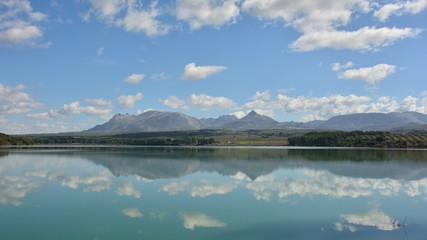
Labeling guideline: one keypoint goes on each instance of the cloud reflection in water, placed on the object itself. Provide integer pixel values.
(193, 220)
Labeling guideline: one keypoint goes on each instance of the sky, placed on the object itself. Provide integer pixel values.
(68, 65)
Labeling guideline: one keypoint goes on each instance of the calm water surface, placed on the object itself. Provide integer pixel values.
(212, 193)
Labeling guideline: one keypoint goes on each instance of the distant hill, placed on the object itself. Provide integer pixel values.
(154, 121)
(374, 121)
(149, 121)
(220, 121)
(253, 120)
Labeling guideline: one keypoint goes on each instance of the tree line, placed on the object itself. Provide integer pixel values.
(111, 140)
(12, 140)
(375, 139)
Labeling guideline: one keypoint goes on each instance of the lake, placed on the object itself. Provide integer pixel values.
(212, 193)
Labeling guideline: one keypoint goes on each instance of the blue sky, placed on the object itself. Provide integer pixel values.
(69, 65)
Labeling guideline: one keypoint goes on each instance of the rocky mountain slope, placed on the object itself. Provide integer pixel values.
(152, 121)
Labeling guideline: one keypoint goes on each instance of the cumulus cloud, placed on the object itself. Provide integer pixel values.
(201, 13)
(175, 103)
(19, 24)
(207, 102)
(307, 15)
(319, 20)
(159, 76)
(131, 15)
(137, 20)
(338, 66)
(128, 190)
(193, 72)
(14, 101)
(309, 107)
(239, 114)
(108, 8)
(368, 38)
(132, 212)
(98, 107)
(134, 78)
(262, 95)
(202, 101)
(325, 107)
(192, 220)
(259, 101)
(370, 75)
(129, 101)
(399, 8)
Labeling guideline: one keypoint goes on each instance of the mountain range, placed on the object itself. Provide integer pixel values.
(153, 121)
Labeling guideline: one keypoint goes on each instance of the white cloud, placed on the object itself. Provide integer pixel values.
(321, 107)
(14, 101)
(192, 220)
(131, 15)
(307, 16)
(309, 107)
(399, 8)
(175, 103)
(128, 101)
(199, 13)
(18, 24)
(332, 105)
(134, 78)
(239, 114)
(262, 95)
(137, 20)
(98, 107)
(259, 101)
(108, 8)
(319, 20)
(202, 101)
(159, 76)
(265, 112)
(368, 38)
(128, 190)
(132, 212)
(193, 72)
(338, 66)
(370, 75)
(206, 102)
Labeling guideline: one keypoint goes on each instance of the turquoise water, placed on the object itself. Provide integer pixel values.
(212, 193)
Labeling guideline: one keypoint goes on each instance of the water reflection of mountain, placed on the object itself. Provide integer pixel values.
(160, 163)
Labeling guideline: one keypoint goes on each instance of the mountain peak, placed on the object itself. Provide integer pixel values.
(252, 113)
